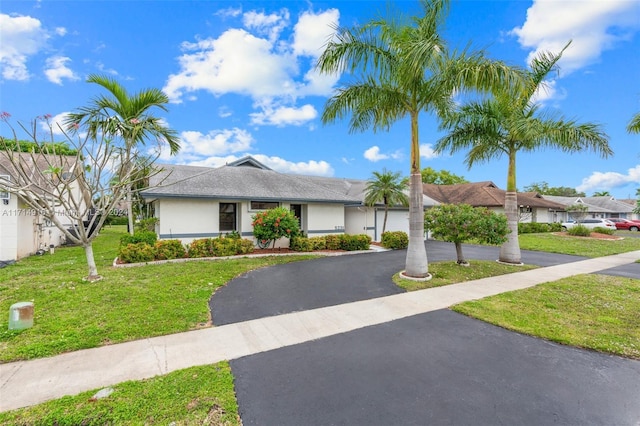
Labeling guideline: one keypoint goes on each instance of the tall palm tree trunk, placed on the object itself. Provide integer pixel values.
(510, 251)
(416, 264)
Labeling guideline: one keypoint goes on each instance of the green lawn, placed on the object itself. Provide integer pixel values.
(128, 304)
(597, 312)
(193, 396)
(590, 311)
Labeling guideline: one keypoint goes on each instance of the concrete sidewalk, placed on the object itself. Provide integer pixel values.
(31, 382)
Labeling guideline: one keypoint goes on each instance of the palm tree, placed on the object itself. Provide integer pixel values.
(127, 117)
(405, 69)
(634, 124)
(511, 122)
(602, 194)
(387, 187)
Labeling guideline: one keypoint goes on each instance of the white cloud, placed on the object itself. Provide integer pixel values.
(373, 154)
(224, 112)
(196, 146)
(236, 62)
(229, 12)
(427, 152)
(22, 37)
(56, 123)
(282, 116)
(310, 168)
(269, 25)
(593, 26)
(609, 180)
(262, 61)
(57, 70)
(313, 31)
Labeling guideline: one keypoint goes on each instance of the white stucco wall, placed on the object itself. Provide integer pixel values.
(323, 219)
(359, 220)
(8, 230)
(187, 219)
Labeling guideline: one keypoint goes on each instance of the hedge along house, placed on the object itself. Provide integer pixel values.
(202, 202)
(533, 207)
(24, 229)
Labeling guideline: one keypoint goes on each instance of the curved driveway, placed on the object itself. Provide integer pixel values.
(437, 368)
(335, 280)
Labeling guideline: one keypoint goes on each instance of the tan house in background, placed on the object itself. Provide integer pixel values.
(23, 229)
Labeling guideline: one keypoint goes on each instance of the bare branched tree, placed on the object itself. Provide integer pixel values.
(74, 192)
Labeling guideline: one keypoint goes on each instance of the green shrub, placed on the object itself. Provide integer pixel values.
(202, 247)
(333, 241)
(318, 243)
(148, 237)
(300, 244)
(136, 253)
(395, 240)
(537, 228)
(169, 249)
(355, 242)
(148, 224)
(579, 231)
(602, 230)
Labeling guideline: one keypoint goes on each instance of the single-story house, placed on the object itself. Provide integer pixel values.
(194, 202)
(597, 207)
(533, 207)
(23, 229)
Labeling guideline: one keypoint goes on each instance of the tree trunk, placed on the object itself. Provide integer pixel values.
(384, 222)
(459, 255)
(130, 209)
(93, 269)
(416, 264)
(510, 251)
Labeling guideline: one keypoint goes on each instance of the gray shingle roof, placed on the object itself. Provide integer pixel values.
(242, 182)
(603, 204)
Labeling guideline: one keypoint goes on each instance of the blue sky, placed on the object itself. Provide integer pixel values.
(241, 80)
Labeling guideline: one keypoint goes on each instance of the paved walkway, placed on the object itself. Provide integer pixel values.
(31, 382)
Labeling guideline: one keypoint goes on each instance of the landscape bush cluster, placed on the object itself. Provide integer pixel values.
(331, 242)
(272, 224)
(537, 228)
(579, 231)
(143, 246)
(395, 240)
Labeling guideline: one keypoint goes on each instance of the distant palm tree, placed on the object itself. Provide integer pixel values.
(405, 69)
(127, 117)
(511, 122)
(602, 194)
(386, 187)
(634, 124)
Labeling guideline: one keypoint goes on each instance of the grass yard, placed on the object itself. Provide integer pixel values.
(193, 396)
(445, 273)
(128, 304)
(579, 246)
(597, 312)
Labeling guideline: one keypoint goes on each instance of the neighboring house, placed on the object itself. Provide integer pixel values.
(23, 229)
(533, 207)
(597, 207)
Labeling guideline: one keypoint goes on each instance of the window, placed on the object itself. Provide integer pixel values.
(264, 205)
(227, 217)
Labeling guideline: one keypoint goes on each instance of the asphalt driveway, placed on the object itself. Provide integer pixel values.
(437, 368)
(332, 281)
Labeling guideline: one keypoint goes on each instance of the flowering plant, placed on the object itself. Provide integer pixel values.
(272, 224)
